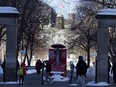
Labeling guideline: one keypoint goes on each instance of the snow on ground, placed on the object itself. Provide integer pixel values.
(73, 84)
(10, 82)
(30, 71)
(92, 83)
(57, 77)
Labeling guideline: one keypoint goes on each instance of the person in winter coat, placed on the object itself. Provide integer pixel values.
(3, 66)
(22, 72)
(71, 71)
(71, 66)
(38, 66)
(81, 69)
(48, 70)
(24, 68)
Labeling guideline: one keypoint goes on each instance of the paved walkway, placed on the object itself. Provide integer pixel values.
(34, 80)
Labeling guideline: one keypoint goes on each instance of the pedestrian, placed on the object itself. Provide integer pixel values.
(38, 66)
(81, 69)
(114, 72)
(3, 66)
(71, 71)
(48, 70)
(71, 66)
(22, 73)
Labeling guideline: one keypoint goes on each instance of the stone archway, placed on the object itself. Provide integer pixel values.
(8, 16)
(106, 18)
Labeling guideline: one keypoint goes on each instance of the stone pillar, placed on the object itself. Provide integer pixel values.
(8, 16)
(102, 54)
(11, 46)
(106, 18)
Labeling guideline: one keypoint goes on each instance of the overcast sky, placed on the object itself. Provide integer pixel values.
(62, 6)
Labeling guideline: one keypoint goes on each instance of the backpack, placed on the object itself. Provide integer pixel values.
(20, 71)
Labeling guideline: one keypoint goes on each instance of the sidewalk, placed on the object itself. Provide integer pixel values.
(34, 80)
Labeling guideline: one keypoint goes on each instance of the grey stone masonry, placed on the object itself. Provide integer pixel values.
(106, 18)
(8, 17)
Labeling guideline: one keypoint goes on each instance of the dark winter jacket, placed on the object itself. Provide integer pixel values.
(81, 67)
(23, 65)
(48, 67)
(38, 65)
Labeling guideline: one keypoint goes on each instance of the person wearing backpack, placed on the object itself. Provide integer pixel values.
(81, 72)
(22, 73)
(48, 70)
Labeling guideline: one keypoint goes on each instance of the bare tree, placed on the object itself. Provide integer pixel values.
(33, 15)
(85, 27)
